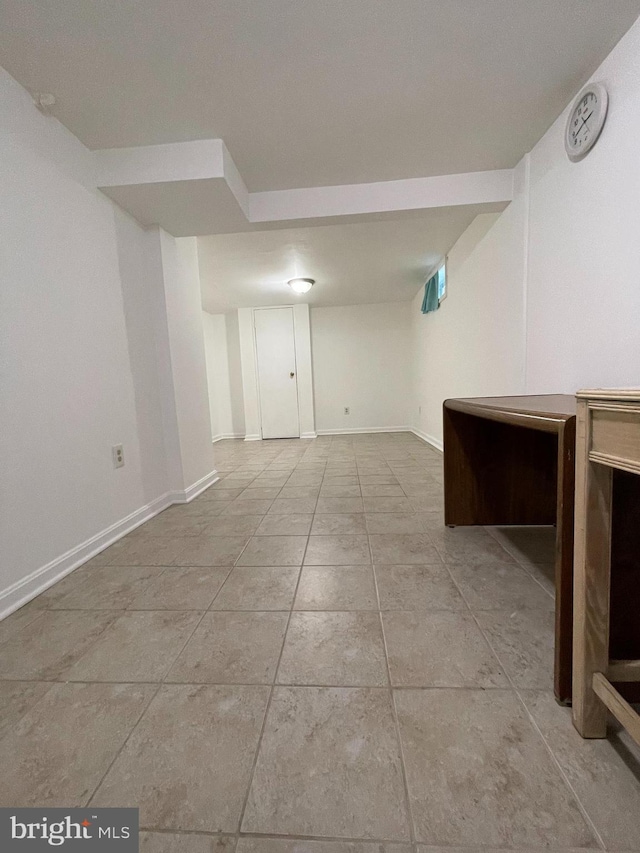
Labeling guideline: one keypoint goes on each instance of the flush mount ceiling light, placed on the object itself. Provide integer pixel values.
(301, 285)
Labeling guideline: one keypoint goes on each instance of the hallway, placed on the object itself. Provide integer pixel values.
(303, 656)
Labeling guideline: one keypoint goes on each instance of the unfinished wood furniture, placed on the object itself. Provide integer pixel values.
(608, 447)
(510, 461)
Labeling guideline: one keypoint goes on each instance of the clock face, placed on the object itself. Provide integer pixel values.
(586, 121)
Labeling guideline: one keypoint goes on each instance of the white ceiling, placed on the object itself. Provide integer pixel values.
(315, 92)
(376, 261)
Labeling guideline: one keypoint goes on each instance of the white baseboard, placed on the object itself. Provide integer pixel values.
(308, 435)
(430, 439)
(363, 430)
(33, 584)
(225, 435)
(253, 437)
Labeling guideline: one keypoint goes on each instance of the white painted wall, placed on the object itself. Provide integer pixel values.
(361, 360)
(546, 298)
(584, 261)
(224, 380)
(91, 345)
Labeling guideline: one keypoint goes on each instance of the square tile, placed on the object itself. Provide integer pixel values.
(479, 774)
(232, 525)
(211, 550)
(439, 649)
(417, 588)
(336, 588)
(191, 588)
(337, 551)
(43, 649)
(274, 551)
(221, 494)
(145, 551)
(329, 764)
(299, 492)
(170, 766)
(346, 523)
(60, 749)
(229, 647)
(245, 507)
(292, 506)
(380, 490)
(177, 842)
(403, 549)
(248, 844)
(328, 491)
(344, 649)
(387, 505)
(285, 525)
(252, 493)
(395, 522)
(139, 646)
(523, 640)
(261, 588)
(472, 546)
(16, 698)
(499, 587)
(108, 588)
(339, 505)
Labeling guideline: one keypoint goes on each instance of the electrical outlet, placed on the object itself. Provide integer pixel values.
(347, 410)
(117, 454)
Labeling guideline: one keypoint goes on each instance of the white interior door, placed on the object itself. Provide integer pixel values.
(277, 374)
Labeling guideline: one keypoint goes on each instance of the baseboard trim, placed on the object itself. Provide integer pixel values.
(27, 588)
(226, 435)
(430, 439)
(363, 430)
(253, 437)
(308, 435)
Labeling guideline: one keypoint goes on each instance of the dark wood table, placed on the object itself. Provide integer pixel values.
(511, 461)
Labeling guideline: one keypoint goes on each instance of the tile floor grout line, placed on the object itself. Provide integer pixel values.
(269, 700)
(396, 722)
(491, 531)
(582, 809)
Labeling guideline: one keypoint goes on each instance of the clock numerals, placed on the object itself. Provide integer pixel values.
(585, 121)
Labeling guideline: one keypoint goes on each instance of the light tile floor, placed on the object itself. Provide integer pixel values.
(305, 659)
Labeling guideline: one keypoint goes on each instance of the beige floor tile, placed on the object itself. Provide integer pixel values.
(373, 505)
(395, 522)
(471, 546)
(139, 646)
(523, 640)
(146, 551)
(176, 842)
(337, 551)
(335, 525)
(108, 588)
(529, 544)
(344, 649)
(171, 765)
(192, 588)
(336, 588)
(378, 480)
(439, 649)
(499, 587)
(232, 525)
(331, 479)
(274, 551)
(231, 647)
(337, 506)
(221, 494)
(403, 549)
(245, 507)
(329, 765)
(61, 748)
(605, 774)
(479, 774)
(292, 506)
(167, 524)
(417, 588)
(340, 492)
(16, 698)
(211, 551)
(45, 648)
(299, 492)
(380, 490)
(258, 588)
(285, 525)
(19, 619)
(291, 845)
(252, 493)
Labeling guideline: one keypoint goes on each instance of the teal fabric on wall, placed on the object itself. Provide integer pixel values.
(430, 301)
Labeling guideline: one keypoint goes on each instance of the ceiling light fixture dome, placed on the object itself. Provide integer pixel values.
(301, 285)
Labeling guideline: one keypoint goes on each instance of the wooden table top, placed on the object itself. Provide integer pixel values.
(536, 409)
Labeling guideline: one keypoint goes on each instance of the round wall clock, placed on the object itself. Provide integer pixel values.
(586, 121)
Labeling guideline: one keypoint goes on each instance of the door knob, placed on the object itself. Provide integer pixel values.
(292, 374)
